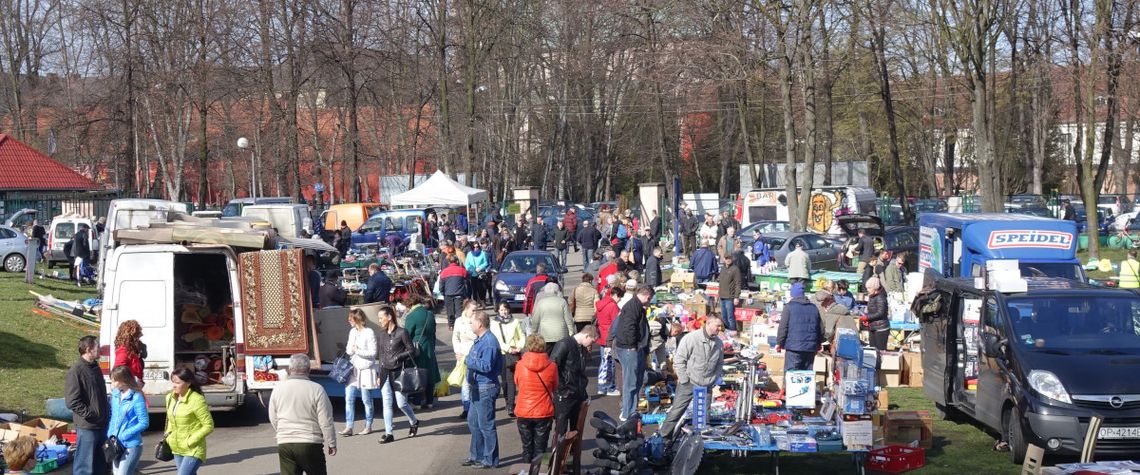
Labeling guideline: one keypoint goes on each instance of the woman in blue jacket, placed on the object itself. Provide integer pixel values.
(477, 264)
(129, 418)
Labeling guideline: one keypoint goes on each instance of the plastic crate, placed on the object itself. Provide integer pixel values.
(895, 459)
(45, 466)
(746, 314)
(70, 437)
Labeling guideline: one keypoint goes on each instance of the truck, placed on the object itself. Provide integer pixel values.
(1035, 365)
(228, 299)
(959, 245)
(771, 204)
(290, 220)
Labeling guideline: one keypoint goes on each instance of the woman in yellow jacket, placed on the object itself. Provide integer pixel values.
(1130, 272)
(188, 422)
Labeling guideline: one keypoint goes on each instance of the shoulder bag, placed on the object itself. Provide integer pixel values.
(410, 380)
(113, 450)
(162, 450)
(341, 371)
(510, 360)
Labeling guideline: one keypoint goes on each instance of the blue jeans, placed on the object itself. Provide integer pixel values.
(632, 375)
(465, 395)
(606, 372)
(587, 257)
(401, 402)
(728, 314)
(562, 255)
(89, 452)
(481, 422)
(129, 463)
(187, 465)
(351, 392)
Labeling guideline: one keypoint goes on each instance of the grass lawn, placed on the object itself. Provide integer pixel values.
(35, 351)
(1114, 255)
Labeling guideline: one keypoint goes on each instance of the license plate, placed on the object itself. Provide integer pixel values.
(520, 298)
(154, 375)
(1119, 433)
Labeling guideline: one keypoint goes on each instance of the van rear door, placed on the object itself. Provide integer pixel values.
(939, 341)
(140, 287)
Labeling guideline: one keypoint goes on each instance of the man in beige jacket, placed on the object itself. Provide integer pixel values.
(302, 418)
(582, 302)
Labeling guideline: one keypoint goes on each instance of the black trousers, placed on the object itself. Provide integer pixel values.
(301, 458)
(533, 434)
(454, 305)
(507, 378)
(565, 414)
(879, 339)
(478, 288)
(578, 326)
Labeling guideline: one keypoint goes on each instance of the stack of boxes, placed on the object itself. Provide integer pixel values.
(856, 391)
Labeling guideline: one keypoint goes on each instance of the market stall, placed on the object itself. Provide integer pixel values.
(440, 190)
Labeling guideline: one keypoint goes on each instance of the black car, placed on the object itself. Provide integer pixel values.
(894, 239)
(1036, 364)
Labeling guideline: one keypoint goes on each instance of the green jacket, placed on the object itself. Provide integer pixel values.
(894, 278)
(189, 426)
(420, 325)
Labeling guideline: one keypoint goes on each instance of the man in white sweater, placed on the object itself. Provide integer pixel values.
(302, 417)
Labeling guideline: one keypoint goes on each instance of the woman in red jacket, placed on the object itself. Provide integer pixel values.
(536, 378)
(129, 348)
(607, 310)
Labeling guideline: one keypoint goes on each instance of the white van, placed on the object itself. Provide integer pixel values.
(131, 214)
(291, 220)
(189, 302)
(61, 231)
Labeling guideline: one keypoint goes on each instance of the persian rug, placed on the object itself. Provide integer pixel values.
(274, 303)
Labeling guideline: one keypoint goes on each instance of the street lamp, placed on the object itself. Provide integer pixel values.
(243, 143)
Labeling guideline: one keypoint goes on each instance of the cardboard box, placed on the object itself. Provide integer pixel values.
(884, 400)
(42, 429)
(683, 279)
(905, 427)
(775, 367)
(9, 432)
(799, 389)
(891, 369)
(912, 363)
(821, 364)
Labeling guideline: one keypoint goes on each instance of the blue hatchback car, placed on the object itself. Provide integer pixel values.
(517, 269)
(380, 225)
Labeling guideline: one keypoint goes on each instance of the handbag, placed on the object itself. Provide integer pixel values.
(113, 450)
(162, 450)
(410, 380)
(341, 371)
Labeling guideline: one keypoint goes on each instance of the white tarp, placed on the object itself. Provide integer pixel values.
(440, 190)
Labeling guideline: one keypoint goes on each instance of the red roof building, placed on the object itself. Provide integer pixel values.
(23, 168)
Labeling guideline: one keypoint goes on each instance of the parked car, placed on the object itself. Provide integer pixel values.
(748, 233)
(1082, 219)
(13, 244)
(233, 208)
(379, 225)
(21, 219)
(517, 269)
(1117, 204)
(1122, 221)
(1030, 209)
(894, 239)
(820, 250)
(551, 215)
(354, 214)
(930, 205)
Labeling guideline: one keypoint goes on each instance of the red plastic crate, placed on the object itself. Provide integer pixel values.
(895, 459)
(746, 314)
(70, 437)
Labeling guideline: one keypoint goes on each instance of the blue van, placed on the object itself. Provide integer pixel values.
(958, 245)
(380, 225)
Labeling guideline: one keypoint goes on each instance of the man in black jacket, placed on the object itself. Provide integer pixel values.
(630, 334)
(86, 396)
(570, 355)
(588, 236)
(538, 236)
(653, 268)
(81, 251)
(379, 285)
(654, 230)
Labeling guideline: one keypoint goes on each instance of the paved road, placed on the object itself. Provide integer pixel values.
(243, 441)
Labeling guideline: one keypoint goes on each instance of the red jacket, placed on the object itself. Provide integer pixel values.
(607, 270)
(533, 287)
(131, 360)
(536, 378)
(607, 311)
(570, 222)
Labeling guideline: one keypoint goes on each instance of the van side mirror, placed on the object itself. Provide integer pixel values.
(993, 346)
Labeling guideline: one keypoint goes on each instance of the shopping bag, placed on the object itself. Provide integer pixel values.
(442, 389)
(458, 374)
(410, 380)
(341, 371)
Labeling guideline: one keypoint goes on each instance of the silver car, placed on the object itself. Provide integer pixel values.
(12, 247)
(821, 250)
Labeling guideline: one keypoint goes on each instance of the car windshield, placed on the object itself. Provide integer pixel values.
(525, 264)
(1076, 323)
(1106, 200)
(774, 243)
(231, 210)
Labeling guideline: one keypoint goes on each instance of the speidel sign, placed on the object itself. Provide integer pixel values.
(1030, 239)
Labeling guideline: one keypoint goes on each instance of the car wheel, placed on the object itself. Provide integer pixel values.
(1014, 437)
(14, 263)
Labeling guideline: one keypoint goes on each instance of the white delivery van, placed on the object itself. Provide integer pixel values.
(291, 220)
(132, 214)
(189, 303)
(61, 230)
(771, 204)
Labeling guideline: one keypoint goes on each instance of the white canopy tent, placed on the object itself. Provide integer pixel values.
(440, 190)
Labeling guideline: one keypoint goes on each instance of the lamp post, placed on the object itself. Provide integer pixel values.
(243, 143)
